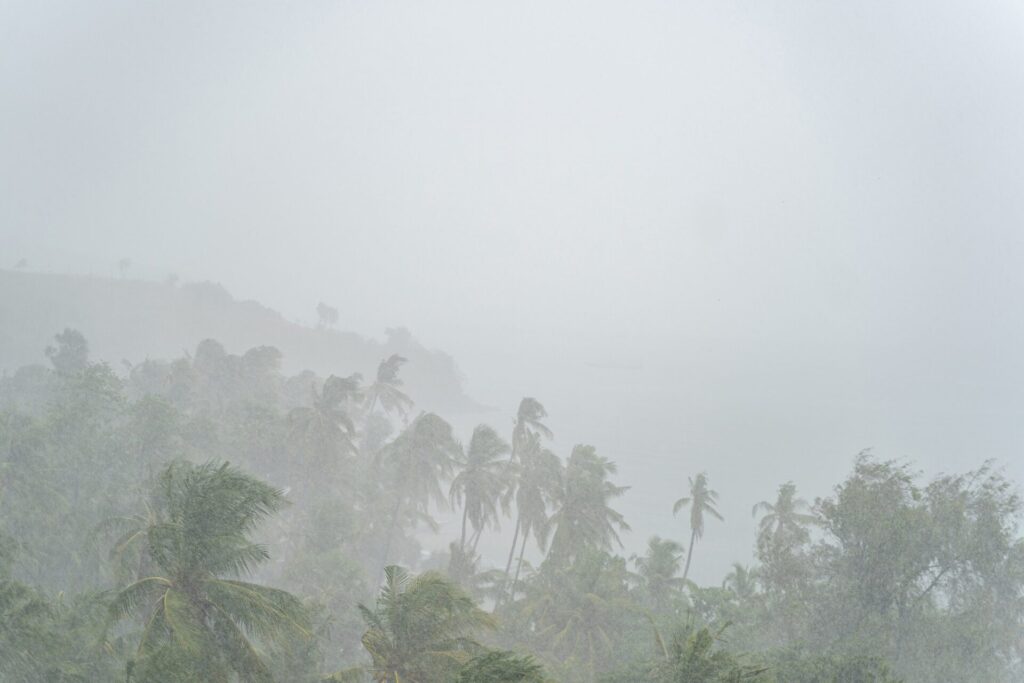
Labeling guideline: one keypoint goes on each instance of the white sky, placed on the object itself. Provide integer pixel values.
(803, 220)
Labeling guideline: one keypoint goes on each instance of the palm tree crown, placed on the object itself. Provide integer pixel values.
(702, 501)
(584, 518)
(196, 616)
(386, 389)
(786, 518)
(480, 482)
(421, 629)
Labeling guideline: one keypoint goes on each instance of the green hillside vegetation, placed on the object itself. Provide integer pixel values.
(214, 518)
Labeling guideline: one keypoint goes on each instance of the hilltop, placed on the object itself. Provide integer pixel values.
(127, 321)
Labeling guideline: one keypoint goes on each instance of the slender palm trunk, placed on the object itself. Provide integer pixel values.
(689, 555)
(387, 542)
(519, 566)
(465, 514)
(475, 540)
(512, 550)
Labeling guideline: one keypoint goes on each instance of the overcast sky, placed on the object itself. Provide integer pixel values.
(787, 230)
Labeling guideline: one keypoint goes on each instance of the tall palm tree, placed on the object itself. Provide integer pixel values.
(584, 518)
(786, 518)
(198, 618)
(386, 389)
(323, 431)
(702, 501)
(421, 629)
(415, 465)
(540, 478)
(659, 568)
(527, 425)
(479, 484)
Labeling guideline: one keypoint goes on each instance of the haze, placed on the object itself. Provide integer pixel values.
(751, 238)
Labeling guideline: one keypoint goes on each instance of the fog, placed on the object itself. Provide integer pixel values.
(751, 239)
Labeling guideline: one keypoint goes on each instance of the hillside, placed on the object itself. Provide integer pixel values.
(131, 320)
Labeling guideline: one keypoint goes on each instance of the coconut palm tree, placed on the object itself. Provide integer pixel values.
(658, 569)
(324, 431)
(421, 629)
(198, 617)
(584, 518)
(527, 423)
(742, 581)
(787, 518)
(479, 484)
(702, 501)
(386, 389)
(415, 464)
(540, 477)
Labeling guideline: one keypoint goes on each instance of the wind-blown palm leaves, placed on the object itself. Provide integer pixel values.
(574, 612)
(480, 482)
(540, 480)
(386, 389)
(198, 620)
(584, 518)
(786, 518)
(501, 667)
(702, 501)
(527, 427)
(421, 629)
(742, 581)
(415, 464)
(324, 431)
(658, 570)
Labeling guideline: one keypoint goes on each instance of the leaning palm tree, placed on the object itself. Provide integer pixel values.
(786, 518)
(527, 426)
(540, 479)
(414, 466)
(584, 518)
(702, 501)
(323, 432)
(386, 389)
(421, 629)
(199, 618)
(479, 484)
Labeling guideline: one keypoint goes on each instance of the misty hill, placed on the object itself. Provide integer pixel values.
(132, 320)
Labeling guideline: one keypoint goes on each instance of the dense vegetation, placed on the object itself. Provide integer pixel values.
(131, 550)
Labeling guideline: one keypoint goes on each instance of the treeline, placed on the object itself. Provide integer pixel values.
(131, 550)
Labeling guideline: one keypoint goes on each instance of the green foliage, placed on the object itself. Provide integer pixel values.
(197, 621)
(422, 628)
(889, 577)
(501, 667)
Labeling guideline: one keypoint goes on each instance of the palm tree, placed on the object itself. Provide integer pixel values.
(386, 389)
(659, 569)
(324, 430)
(584, 518)
(527, 424)
(742, 581)
(478, 485)
(540, 474)
(786, 518)
(198, 620)
(575, 610)
(702, 501)
(416, 463)
(421, 629)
